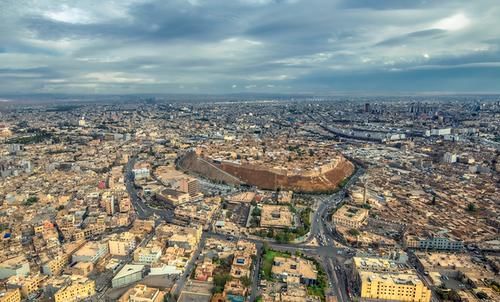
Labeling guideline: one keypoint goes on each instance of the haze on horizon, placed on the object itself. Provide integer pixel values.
(249, 46)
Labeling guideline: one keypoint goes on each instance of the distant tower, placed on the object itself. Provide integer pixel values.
(364, 179)
(82, 122)
(364, 193)
(367, 107)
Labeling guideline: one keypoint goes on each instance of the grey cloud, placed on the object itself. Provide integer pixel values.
(209, 46)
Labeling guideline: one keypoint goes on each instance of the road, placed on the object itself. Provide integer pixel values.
(143, 211)
(179, 285)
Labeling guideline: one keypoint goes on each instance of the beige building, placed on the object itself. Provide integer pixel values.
(294, 270)
(79, 289)
(184, 237)
(11, 295)
(276, 216)
(393, 287)
(54, 266)
(350, 216)
(384, 279)
(28, 285)
(121, 244)
(142, 293)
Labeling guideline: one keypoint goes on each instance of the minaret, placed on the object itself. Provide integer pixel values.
(365, 190)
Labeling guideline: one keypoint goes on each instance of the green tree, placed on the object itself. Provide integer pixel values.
(31, 200)
(471, 207)
(246, 281)
(354, 232)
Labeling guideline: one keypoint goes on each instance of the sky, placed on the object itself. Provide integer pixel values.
(249, 46)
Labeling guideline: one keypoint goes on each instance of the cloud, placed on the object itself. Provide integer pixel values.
(212, 46)
(455, 22)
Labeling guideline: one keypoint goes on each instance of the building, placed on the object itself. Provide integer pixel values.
(434, 242)
(241, 265)
(450, 158)
(129, 274)
(385, 279)
(438, 132)
(276, 216)
(190, 186)
(54, 266)
(349, 216)
(142, 293)
(91, 252)
(124, 205)
(147, 255)
(141, 173)
(109, 205)
(393, 287)
(11, 295)
(375, 265)
(80, 269)
(29, 285)
(81, 122)
(121, 244)
(16, 266)
(182, 237)
(294, 270)
(77, 289)
(173, 196)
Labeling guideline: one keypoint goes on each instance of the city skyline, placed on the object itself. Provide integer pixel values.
(249, 46)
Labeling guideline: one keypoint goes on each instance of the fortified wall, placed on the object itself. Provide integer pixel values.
(322, 179)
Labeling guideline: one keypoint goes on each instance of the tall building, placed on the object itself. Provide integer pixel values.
(109, 204)
(82, 122)
(190, 186)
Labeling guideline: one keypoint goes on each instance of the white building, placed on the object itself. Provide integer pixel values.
(129, 274)
(17, 266)
(141, 173)
(147, 255)
(450, 158)
(91, 252)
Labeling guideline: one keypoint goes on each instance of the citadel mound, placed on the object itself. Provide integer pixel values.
(324, 177)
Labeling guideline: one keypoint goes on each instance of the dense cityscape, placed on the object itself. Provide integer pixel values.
(250, 199)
